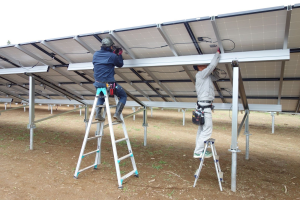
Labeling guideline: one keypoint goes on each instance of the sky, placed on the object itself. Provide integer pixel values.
(32, 20)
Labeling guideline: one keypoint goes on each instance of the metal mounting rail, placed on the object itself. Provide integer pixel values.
(64, 92)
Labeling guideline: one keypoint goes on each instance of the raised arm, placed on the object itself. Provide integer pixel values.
(210, 68)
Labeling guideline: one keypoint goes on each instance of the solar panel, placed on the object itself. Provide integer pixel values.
(262, 29)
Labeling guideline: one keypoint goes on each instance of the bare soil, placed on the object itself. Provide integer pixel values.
(166, 166)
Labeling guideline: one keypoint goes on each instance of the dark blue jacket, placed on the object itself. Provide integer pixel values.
(104, 63)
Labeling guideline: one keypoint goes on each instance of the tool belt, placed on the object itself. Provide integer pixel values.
(198, 117)
(111, 88)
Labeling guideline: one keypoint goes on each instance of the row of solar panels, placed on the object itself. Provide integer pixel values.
(262, 29)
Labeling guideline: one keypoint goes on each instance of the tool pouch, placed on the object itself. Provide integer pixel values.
(111, 89)
(198, 117)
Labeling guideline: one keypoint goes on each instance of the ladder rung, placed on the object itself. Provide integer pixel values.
(124, 157)
(104, 106)
(90, 153)
(86, 168)
(91, 138)
(96, 122)
(120, 140)
(127, 175)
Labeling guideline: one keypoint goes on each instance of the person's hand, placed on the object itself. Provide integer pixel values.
(219, 51)
(120, 51)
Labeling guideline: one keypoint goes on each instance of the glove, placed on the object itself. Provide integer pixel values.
(120, 51)
(219, 51)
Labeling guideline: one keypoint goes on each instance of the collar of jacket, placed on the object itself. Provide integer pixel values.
(106, 49)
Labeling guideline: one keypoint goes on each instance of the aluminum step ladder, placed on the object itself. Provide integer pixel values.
(210, 143)
(98, 136)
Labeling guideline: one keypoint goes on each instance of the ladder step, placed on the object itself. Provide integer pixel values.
(104, 106)
(86, 168)
(127, 175)
(124, 157)
(97, 122)
(120, 140)
(221, 175)
(90, 153)
(113, 123)
(91, 138)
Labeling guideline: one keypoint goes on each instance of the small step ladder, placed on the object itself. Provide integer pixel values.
(98, 136)
(210, 143)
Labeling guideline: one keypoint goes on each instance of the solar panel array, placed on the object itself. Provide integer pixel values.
(263, 29)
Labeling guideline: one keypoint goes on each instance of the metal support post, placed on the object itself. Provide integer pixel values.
(80, 109)
(5, 105)
(51, 109)
(133, 108)
(183, 120)
(151, 111)
(48, 106)
(24, 108)
(235, 110)
(273, 122)
(86, 115)
(247, 135)
(145, 124)
(31, 124)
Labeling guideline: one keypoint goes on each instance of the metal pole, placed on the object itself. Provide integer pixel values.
(31, 124)
(247, 135)
(145, 124)
(273, 122)
(151, 111)
(51, 109)
(48, 106)
(183, 120)
(5, 106)
(234, 147)
(86, 115)
(133, 108)
(24, 108)
(80, 110)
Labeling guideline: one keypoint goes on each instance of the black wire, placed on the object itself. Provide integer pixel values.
(148, 47)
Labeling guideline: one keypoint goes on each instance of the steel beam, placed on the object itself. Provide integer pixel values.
(36, 69)
(167, 39)
(33, 55)
(84, 45)
(122, 43)
(242, 92)
(160, 84)
(285, 44)
(31, 124)
(250, 56)
(148, 84)
(61, 71)
(192, 36)
(52, 48)
(51, 85)
(287, 26)
(132, 84)
(247, 134)
(6, 100)
(234, 136)
(281, 81)
(10, 60)
(13, 95)
(214, 25)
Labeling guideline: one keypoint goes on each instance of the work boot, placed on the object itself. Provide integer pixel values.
(207, 154)
(119, 109)
(99, 115)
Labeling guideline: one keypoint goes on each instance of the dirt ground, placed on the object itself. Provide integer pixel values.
(166, 166)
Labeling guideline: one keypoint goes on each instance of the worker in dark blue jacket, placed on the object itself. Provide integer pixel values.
(104, 62)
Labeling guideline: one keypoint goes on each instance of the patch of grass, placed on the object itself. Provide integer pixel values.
(171, 193)
(123, 164)
(43, 141)
(123, 143)
(162, 162)
(157, 136)
(20, 138)
(157, 167)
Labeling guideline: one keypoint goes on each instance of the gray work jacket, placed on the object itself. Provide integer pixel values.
(204, 85)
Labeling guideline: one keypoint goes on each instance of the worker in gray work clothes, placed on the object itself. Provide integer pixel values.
(205, 96)
(104, 62)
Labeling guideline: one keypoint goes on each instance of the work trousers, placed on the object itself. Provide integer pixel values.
(119, 92)
(204, 131)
